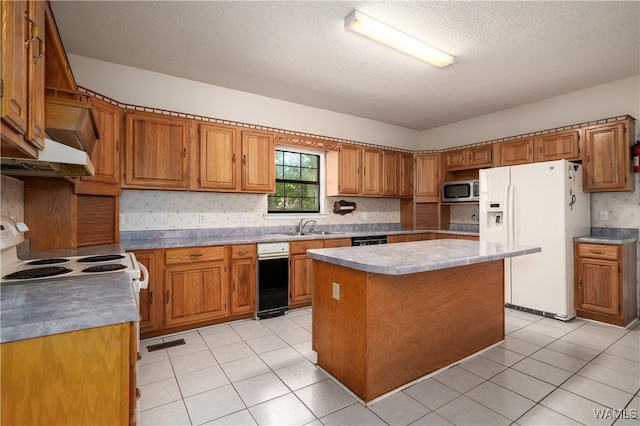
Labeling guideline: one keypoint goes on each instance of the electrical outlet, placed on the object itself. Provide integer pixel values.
(121, 219)
(604, 215)
(243, 217)
(202, 218)
(336, 291)
(364, 216)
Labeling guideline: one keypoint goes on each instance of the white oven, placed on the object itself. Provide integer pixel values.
(16, 271)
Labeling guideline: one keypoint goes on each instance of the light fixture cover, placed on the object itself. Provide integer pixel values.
(382, 33)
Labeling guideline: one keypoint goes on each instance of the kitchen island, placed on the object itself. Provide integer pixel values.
(385, 316)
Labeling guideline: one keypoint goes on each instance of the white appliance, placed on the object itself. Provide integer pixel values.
(539, 204)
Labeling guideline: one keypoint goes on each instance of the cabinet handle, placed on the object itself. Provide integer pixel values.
(540, 150)
(244, 158)
(166, 300)
(138, 356)
(117, 145)
(233, 286)
(579, 282)
(34, 31)
(233, 157)
(40, 50)
(196, 255)
(596, 251)
(138, 393)
(529, 150)
(588, 158)
(184, 153)
(242, 253)
(150, 298)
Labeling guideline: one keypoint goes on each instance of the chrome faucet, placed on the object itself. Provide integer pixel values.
(302, 225)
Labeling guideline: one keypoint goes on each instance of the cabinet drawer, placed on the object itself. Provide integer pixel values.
(598, 251)
(243, 251)
(193, 254)
(337, 242)
(302, 246)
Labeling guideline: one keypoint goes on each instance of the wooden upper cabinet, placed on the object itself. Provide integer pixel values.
(105, 155)
(557, 146)
(371, 171)
(406, 175)
(156, 151)
(258, 162)
(469, 158)
(455, 160)
(516, 152)
(391, 174)
(427, 177)
(23, 37)
(349, 164)
(219, 158)
(606, 160)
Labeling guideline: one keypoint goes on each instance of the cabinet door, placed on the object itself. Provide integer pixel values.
(391, 174)
(606, 163)
(150, 297)
(427, 177)
(480, 156)
(517, 152)
(106, 152)
(371, 171)
(406, 175)
(195, 292)
(258, 162)
(397, 238)
(156, 151)
(557, 146)
(301, 279)
(598, 286)
(218, 158)
(36, 68)
(455, 160)
(243, 279)
(349, 170)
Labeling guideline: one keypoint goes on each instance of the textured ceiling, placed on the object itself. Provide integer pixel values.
(507, 53)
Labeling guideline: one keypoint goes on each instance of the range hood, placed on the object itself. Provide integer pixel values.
(55, 159)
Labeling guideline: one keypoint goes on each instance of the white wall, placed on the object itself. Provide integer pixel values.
(139, 87)
(617, 98)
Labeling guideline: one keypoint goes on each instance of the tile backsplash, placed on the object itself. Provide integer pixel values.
(12, 198)
(166, 210)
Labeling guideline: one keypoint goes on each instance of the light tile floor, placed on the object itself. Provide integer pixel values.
(547, 372)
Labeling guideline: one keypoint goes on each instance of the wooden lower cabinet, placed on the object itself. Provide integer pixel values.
(243, 279)
(605, 287)
(151, 297)
(79, 377)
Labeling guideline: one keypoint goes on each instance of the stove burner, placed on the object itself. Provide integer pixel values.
(101, 258)
(38, 273)
(48, 261)
(105, 268)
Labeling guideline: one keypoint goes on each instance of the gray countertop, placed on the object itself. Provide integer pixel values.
(604, 239)
(45, 307)
(420, 256)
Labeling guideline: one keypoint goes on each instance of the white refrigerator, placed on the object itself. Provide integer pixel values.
(540, 204)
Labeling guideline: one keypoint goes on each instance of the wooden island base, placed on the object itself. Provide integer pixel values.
(388, 330)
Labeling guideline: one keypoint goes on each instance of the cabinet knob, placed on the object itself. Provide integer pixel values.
(540, 149)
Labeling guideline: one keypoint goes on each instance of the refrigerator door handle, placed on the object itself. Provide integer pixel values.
(509, 213)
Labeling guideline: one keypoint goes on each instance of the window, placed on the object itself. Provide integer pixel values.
(297, 183)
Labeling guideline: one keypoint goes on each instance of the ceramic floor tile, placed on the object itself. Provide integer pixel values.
(573, 350)
(244, 368)
(214, 329)
(502, 401)
(251, 329)
(464, 411)
(278, 324)
(559, 360)
(298, 312)
(295, 336)
(431, 419)
(232, 352)
(524, 315)
(531, 337)
(519, 346)
(150, 373)
(202, 380)
(458, 379)
(302, 320)
(192, 362)
(590, 338)
(192, 345)
(159, 393)
(284, 410)
(174, 413)
(431, 393)
(213, 404)
(574, 407)
(399, 409)
(482, 367)
(151, 357)
(542, 371)
(523, 384)
(353, 415)
(618, 364)
(240, 418)
(299, 375)
(597, 392)
(281, 358)
(223, 337)
(187, 335)
(610, 377)
(502, 356)
(304, 349)
(516, 322)
(548, 330)
(258, 389)
(508, 329)
(543, 416)
(324, 398)
(266, 343)
(626, 352)
(631, 339)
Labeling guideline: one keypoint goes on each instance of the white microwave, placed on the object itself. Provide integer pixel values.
(461, 191)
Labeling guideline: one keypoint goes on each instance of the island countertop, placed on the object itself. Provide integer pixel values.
(418, 256)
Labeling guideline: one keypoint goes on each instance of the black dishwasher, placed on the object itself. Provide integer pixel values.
(272, 279)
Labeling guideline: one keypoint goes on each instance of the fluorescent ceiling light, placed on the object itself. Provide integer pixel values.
(367, 26)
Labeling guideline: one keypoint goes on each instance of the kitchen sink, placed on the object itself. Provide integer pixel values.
(299, 234)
